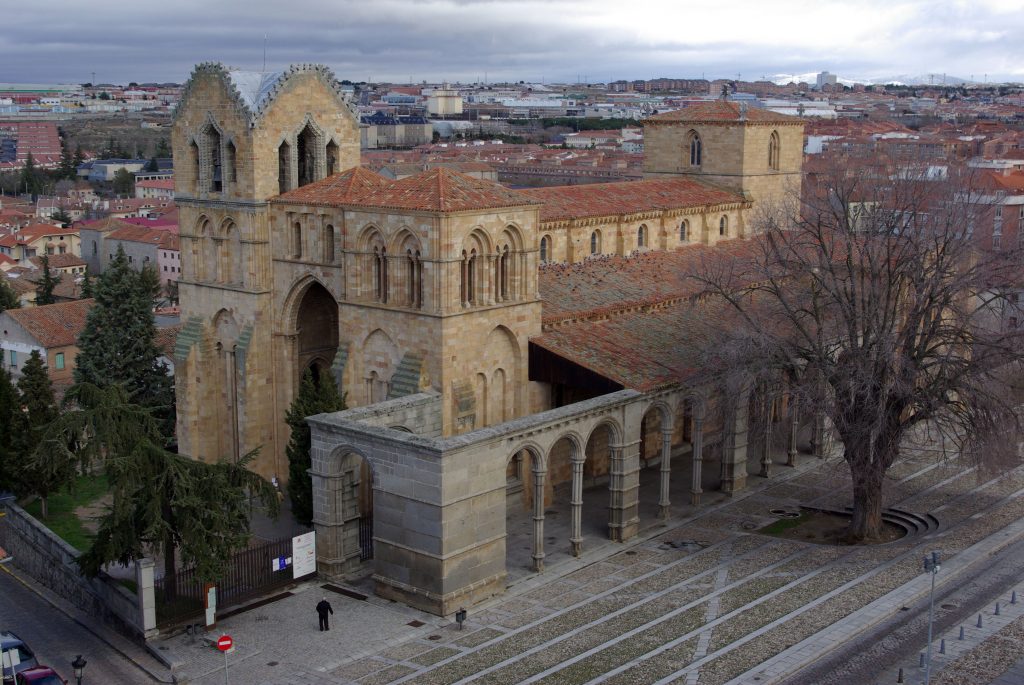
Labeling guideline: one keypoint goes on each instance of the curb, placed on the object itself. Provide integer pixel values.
(99, 634)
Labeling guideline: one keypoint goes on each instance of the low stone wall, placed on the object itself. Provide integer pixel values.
(39, 552)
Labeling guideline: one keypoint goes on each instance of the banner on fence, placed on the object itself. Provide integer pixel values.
(304, 554)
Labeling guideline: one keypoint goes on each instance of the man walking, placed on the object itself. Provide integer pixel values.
(322, 610)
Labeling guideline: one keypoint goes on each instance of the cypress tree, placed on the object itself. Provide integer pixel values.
(117, 345)
(8, 298)
(45, 475)
(312, 398)
(46, 283)
(10, 414)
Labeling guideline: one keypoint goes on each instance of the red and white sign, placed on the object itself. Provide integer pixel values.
(224, 643)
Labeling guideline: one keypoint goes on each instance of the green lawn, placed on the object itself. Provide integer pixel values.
(62, 505)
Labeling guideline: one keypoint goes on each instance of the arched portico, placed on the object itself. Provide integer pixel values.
(343, 510)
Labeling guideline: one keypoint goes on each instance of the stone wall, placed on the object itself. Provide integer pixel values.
(36, 550)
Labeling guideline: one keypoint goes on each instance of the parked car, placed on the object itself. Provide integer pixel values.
(39, 675)
(15, 656)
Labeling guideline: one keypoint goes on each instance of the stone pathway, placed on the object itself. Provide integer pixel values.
(704, 601)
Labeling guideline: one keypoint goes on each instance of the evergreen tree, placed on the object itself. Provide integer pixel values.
(61, 216)
(163, 148)
(8, 298)
(152, 165)
(46, 283)
(79, 158)
(40, 476)
(117, 345)
(124, 182)
(30, 181)
(161, 501)
(312, 398)
(67, 161)
(10, 413)
(87, 284)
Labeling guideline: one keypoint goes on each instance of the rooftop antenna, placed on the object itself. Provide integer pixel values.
(264, 53)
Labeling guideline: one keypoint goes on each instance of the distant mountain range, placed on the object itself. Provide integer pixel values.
(901, 80)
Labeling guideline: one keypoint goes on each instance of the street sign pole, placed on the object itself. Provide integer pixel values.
(225, 644)
(226, 668)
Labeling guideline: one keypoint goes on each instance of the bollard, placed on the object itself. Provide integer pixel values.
(899, 678)
(942, 646)
(961, 633)
(979, 620)
(1013, 597)
(997, 608)
(921, 661)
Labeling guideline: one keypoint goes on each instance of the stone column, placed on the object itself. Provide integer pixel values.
(734, 449)
(698, 456)
(577, 507)
(538, 516)
(623, 484)
(766, 448)
(664, 504)
(794, 426)
(146, 597)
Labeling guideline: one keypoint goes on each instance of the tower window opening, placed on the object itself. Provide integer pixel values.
(332, 158)
(306, 147)
(696, 149)
(231, 168)
(284, 166)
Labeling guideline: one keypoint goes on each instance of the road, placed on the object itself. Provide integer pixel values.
(56, 639)
(900, 639)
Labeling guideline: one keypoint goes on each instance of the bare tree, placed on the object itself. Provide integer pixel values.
(874, 289)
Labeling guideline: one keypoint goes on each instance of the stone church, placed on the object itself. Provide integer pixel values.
(504, 353)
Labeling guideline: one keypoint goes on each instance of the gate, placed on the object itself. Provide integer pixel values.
(249, 574)
(365, 538)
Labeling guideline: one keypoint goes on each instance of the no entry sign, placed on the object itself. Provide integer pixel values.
(224, 643)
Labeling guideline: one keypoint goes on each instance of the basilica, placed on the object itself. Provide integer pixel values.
(501, 351)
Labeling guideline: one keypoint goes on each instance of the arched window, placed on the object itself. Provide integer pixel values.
(595, 243)
(328, 244)
(469, 266)
(503, 266)
(212, 143)
(545, 249)
(380, 274)
(332, 158)
(414, 278)
(297, 240)
(773, 151)
(193, 149)
(641, 236)
(695, 147)
(231, 163)
(306, 147)
(723, 226)
(684, 231)
(284, 168)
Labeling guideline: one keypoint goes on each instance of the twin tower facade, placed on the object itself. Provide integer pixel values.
(294, 259)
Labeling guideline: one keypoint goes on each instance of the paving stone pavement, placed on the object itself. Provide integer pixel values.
(702, 600)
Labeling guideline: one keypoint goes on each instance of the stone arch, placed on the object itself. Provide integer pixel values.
(332, 157)
(230, 257)
(203, 232)
(211, 146)
(774, 150)
(310, 149)
(595, 242)
(501, 351)
(655, 464)
(525, 477)
(226, 332)
(404, 239)
(509, 264)
(694, 148)
(316, 324)
(288, 323)
(723, 226)
(380, 358)
(545, 249)
(353, 487)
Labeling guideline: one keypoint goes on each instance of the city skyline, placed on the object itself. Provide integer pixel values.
(473, 40)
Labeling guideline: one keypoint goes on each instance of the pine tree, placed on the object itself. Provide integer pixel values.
(8, 298)
(30, 181)
(46, 283)
(79, 158)
(87, 284)
(67, 161)
(161, 501)
(10, 413)
(163, 149)
(45, 475)
(312, 398)
(117, 345)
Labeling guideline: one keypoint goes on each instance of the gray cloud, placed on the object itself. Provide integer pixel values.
(68, 40)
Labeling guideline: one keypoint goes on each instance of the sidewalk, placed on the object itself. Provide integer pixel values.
(131, 651)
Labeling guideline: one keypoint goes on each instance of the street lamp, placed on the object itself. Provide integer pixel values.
(79, 665)
(932, 566)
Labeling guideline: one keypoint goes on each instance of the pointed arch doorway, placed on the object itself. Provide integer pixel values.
(317, 326)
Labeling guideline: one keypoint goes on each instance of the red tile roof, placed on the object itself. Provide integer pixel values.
(437, 190)
(723, 112)
(59, 261)
(165, 339)
(336, 189)
(627, 197)
(54, 325)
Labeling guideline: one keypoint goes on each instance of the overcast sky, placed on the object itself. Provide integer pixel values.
(550, 40)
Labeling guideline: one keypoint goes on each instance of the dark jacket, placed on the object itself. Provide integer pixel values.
(324, 608)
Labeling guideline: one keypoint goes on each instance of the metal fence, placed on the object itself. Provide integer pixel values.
(365, 538)
(249, 574)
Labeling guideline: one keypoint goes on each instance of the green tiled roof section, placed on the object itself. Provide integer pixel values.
(338, 365)
(406, 380)
(190, 334)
